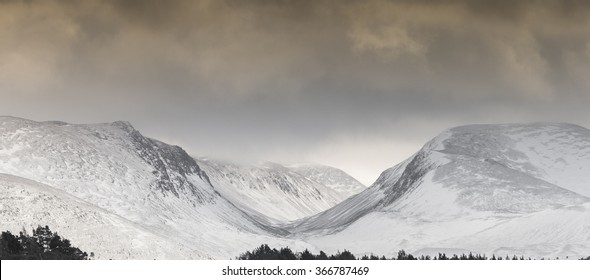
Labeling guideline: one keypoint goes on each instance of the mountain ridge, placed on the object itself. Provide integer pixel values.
(472, 178)
(331, 177)
(477, 187)
(148, 182)
(270, 191)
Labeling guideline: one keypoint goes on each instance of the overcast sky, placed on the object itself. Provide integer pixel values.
(359, 85)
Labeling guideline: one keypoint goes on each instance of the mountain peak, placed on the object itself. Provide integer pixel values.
(124, 125)
(506, 168)
(269, 190)
(331, 177)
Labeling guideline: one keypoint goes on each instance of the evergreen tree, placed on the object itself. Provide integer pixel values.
(44, 244)
(286, 254)
(264, 252)
(345, 255)
(42, 236)
(307, 255)
(322, 256)
(245, 256)
(402, 255)
(10, 244)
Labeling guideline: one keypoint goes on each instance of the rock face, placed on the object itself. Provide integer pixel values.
(497, 189)
(172, 165)
(155, 186)
(114, 156)
(464, 182)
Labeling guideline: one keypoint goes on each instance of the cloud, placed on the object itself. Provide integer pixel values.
(500, 44)
(208, 49)
(288, 75)
(33, 45)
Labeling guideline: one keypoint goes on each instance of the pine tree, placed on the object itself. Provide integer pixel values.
(10, 244)
(42, 245)
(322, 256)
(286, 254)
(345, 255)
(42, 236)
(307, 255)
(401, 255)
(264, 252)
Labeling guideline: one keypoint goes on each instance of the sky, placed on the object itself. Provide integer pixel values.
(359, 85)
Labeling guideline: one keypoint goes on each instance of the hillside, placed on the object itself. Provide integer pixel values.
(468, 181)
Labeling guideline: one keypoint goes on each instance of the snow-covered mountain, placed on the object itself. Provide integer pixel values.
(503, 189)
(146, 182)
(330, 177)
(485, 188)
(26, 204)
(270, 191)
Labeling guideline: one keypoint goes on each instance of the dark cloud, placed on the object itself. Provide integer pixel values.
(291, 80)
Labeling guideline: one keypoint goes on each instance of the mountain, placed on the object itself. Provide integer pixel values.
(496, 189)
(147, 183)
(481, 188)
(269, 191)
(26, 204)
(330, 177)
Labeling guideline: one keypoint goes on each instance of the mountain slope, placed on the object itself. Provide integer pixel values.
(330, 177)
(269, 191)
(349, 210)
(504, 189)
(26, 204)
(464, 181)
(560, 232)
(115, 168)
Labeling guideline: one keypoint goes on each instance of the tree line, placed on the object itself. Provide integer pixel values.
(43, 244)
(264, 252)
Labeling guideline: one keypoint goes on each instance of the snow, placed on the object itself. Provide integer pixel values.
(497, 189)
(516, 189)
(562, 232)
(145, 182)
(27, 204)
(270, 191)
(330, 177)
